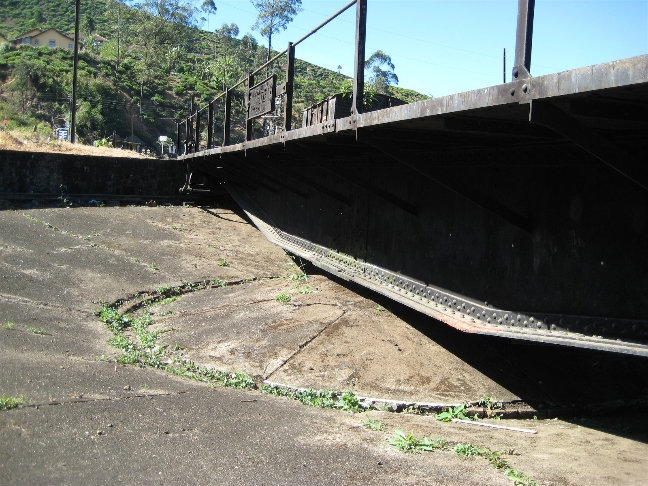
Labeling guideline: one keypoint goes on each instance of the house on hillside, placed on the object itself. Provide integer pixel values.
(45, 38)
(98, 41)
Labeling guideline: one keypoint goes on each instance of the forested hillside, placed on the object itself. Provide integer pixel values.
(140, 80)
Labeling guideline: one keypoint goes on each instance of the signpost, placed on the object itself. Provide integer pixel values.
(261, 98)
(63, 133)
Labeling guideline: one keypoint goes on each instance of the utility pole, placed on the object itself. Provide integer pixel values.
(74, 71)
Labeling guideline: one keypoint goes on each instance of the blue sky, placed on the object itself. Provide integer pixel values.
(441, 47)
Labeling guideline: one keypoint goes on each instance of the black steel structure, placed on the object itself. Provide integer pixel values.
(518, 210)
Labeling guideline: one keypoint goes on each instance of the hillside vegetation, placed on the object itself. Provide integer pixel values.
(141, 80)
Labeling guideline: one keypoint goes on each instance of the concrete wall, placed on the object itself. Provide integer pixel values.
(25, 173)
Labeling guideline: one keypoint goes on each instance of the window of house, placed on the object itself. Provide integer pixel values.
(36, 42)
(52, 44)
(26, 40)
(70, 46)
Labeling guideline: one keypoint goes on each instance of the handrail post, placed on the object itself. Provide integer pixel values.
(523, 39)
(210, 125)
(228, 117)
(248, 123)
(197, 147)
(290, 82)
(189, 134)
(177, 139)
(359, 60)
(186, 137)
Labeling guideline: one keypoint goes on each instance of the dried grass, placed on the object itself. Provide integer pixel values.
(14, 140)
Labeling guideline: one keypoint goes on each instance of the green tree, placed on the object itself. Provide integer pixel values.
(274, 16)
(209, 7)
(157, 35)
(380, 72)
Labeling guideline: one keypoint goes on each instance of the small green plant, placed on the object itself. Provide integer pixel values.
(350, 402)
(409, 443)
(379, 308)
(222, 263)
(298, 278)
(217, 283)
(466, 450)
(113, 319)
(519, 478)
(283, 297)
(413, 410)
(153, 266)
(165, 290)
(37, 330)
(488, 403)
(178, 228)
(167, 300)
(373, 424)
(306, 289)
(346, 401)
(7, 401)
(8, 325)
(457, 412)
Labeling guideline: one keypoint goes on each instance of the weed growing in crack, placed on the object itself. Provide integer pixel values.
(298, 278)
(466, 450)
(223, 263)
(8, 401)
(37, 330)
(347, 401)
(306, 289)
(410, 443)
(148, 352)
(489, 403)
(519, 478)
(413, 410)
(299, 281)
(153, 266)
(113, 319)
(373, 424)
(283, 297)
(457, 412)
(7, 325)
(188, 369)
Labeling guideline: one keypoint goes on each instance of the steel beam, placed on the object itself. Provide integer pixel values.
(228, 117)
(523, 40)
(359, 59)
(290, 81)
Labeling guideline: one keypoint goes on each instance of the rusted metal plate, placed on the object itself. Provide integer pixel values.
(261, 98)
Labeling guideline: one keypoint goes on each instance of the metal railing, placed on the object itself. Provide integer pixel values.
(192, 125)
(265, 91)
